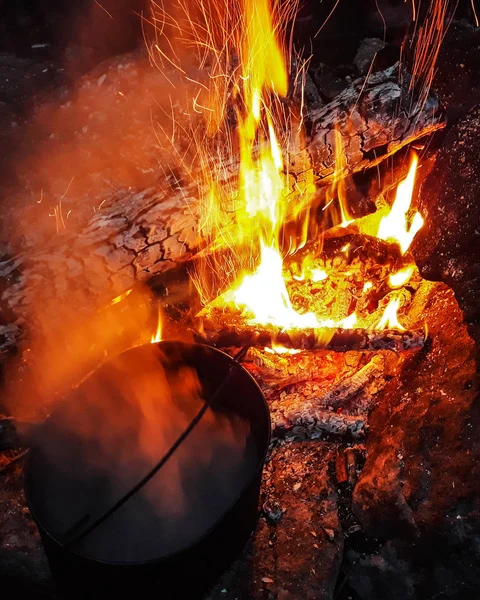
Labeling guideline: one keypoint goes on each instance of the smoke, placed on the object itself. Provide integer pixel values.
(105, 136)
(114, 429)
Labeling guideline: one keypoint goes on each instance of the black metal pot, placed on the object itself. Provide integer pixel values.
(186, 573)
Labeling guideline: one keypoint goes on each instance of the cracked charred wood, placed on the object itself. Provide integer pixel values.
(126, 244)
(375, 116)
(239, 334)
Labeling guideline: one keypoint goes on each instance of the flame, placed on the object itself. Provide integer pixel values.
(278, 349)
(349, 322)
(389, 318)
(394, 227)
(263, 185)
(318, 275)
(396, 280)
(338, 189)
(264, 296)
(258, 215)
(121, 297)
(367, 286)
(157, 336)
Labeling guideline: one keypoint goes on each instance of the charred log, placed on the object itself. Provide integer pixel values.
(239, 334)
(376, 116)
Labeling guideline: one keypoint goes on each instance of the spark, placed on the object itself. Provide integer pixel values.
(103, 8)
(475, 16)
(328, 18)
(121, 297)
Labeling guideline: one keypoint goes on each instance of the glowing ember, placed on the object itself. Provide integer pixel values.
(118, 299)
(394, 227)
(368, 285)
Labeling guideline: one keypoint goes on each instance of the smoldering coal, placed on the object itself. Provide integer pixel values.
(111, 432)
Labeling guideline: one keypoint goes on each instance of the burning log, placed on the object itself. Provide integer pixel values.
(339, 340)
(148, 233)
(376, 116)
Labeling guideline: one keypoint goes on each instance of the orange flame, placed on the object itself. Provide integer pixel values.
(396, 280)
(157, 336)
(337, 188)
(394, 227)
(255, 216)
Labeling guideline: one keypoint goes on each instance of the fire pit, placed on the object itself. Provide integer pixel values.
(313, 222)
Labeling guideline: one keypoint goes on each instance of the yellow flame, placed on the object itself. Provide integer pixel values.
(337, 188)
(394, 227)
(157, 336)
(121, 297)
(367, 286)
(389, 318)
(396, 280)
(349, 322)
(278, 349)
(318, 275)
(271, 220)
(264, 296)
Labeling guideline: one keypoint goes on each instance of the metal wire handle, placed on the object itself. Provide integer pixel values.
(193, 423)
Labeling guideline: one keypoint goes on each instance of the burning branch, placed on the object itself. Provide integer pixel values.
(238, 334)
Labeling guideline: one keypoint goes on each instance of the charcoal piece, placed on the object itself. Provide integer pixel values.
(366, 53)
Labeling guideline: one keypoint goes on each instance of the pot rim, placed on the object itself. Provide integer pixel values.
(174, 555)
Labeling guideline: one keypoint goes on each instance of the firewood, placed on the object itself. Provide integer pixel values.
(376, 116)
(149, 232)
(239, 334)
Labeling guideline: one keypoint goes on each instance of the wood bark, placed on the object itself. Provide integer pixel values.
(144, 234)
(375, 116)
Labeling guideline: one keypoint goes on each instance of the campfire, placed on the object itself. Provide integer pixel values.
(286, 267)
(292, 252)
